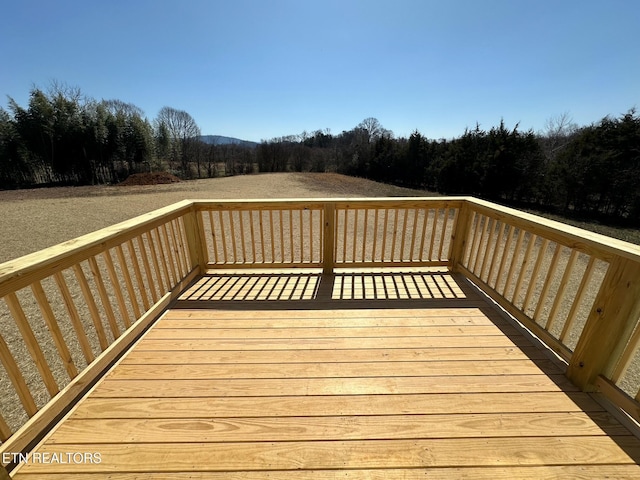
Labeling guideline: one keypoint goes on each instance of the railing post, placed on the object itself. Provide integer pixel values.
(328, 248)
(195, 242)
(610, 324)
(460, 235)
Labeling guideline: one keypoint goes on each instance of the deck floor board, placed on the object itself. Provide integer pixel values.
(327, 387)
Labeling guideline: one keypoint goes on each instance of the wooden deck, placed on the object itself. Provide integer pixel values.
(367, 375)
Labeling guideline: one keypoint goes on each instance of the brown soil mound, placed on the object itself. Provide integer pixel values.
(155, 178)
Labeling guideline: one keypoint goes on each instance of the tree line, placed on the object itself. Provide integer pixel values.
(589, 172)
(64, 138)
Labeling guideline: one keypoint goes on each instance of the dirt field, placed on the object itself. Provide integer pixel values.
(35, 219)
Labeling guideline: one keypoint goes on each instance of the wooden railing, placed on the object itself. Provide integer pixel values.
(69, 311)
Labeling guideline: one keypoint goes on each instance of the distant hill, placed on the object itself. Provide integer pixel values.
(221, 140)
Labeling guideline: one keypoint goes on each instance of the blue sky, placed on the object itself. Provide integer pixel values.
(260, 69)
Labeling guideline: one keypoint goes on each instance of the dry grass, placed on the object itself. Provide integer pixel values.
(39, 218)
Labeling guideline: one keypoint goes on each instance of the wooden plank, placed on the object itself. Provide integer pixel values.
(268, 321)
(52, 325)
(232, 234)
(331, 332)
(272, 236)
(325, 405)
(334, 343)
(176, 237)
(468, 309)
(583, 472)
(165, 284)
(17, 379)
(361, 427)
(31, 343)
(331, 386)
(470, 354)
(74, 317)
(434, 231)
(275, 369)
(201, 456)
(490, 240)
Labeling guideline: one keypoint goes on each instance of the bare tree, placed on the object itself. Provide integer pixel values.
(184, 134)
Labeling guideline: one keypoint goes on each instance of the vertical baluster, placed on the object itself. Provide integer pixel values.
(52, 325)
(163, 262)
(74, 317)
(170, 258)
(425, 219)
(385, 229)
(561, 289)
(505, 254)
(494, 255)
(91, 304)
(413, 234)
(573, 312)
(147, 268)
(547, 283)
(523, 267)
(395, 234)
(516, 253)
(104, 297)
(31, 343)
(534, 275)
(443, 234)
(272, 237)
(375, 234)
(214, 238)
(17, 379)
(117, 288)
(232, 232)
(281, 236)
(491, 224)
(364, 239)
(127, 281)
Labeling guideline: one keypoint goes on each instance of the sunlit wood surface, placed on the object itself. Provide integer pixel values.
(368, 375)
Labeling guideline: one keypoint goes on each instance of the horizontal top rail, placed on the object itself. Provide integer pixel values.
(601, 246)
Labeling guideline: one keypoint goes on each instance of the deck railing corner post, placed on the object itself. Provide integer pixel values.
(328, 247)
(609, 325)
(460, 234)
(195, 239)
